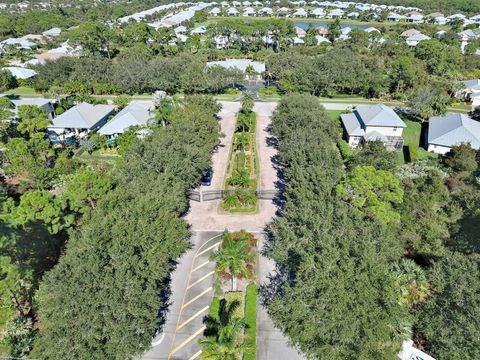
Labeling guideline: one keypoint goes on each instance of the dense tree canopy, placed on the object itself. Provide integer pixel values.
(339, 299)
(450, 319)
(112, 276)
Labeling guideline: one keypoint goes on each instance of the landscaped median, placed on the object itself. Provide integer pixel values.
(242, 173)
(231, 327)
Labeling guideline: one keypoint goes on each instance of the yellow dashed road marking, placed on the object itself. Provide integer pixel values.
(201, 265)
(197, 297)
(198, 332)
(196, 355)
(198, 313)
(200, 280)
(207, 249)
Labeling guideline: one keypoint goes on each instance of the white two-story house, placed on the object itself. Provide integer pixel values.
(374, 123)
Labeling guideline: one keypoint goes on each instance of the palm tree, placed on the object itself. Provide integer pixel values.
(242, 141)
(412, 283)
(234, 256)
(228, 345)
(248, 101)
(224, 339)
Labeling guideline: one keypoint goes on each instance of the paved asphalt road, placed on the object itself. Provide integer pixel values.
(192, 281)
(192, 294)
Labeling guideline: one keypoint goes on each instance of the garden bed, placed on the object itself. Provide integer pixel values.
(241, 179)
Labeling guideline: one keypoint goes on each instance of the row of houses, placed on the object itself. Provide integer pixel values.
(80, 120)
(381, 123)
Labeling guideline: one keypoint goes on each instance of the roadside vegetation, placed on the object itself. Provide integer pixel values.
(159, 236)
(379, 240)
(243, 171)
(231, 325)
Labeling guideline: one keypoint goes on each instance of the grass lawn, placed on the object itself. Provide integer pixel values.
(251, 321)
(238, 298)
(335, 114)
(24, 91)
(411, 136)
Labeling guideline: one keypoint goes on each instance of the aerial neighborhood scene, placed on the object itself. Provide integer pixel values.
(240, 180)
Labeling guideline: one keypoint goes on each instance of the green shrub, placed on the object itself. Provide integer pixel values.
(231, 91)
(413, 152)
(268, 91)
(214, 307)
(251, 320)
(241, 162)
(345, 149)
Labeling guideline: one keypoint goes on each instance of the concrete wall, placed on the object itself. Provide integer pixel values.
(387, 131)
(438, 149)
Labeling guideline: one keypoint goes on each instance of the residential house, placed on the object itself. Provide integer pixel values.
(409, 32)
(408, 352)
(335, 14)
(266, 11)
(18, 43)
(353, 15)
(45, 104)
(249, 11)
(283, 12)
(253, 70)
(414, 40)
(300, 13)
(221, 41)
(298, 41)
(372, 29)
(20, 73)
(436, 18)
(79, 120)
(236, 3)
(53, 32)
(456, 17)
(414, 17)
(374, 123)
(452, 129)
(246, 3)
(135, 114)
(470, 92)
(232, 12)
(202, 29)
(316, 13)
(322, 40)
(475, 19)
(466, 36)
(395, 17)
(215, 11)
(301, 33)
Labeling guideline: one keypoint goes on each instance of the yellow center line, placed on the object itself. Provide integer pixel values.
(193, 317)
(207, 249)
(197, 297)
(198, 332)
(196, 355)
(201, 265)
(200, 280)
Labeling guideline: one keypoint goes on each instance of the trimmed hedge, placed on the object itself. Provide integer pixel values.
(251, 320)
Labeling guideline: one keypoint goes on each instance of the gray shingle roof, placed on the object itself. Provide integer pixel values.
(82, 116)
(453, 129)
(135, 114)
(352, 125)
(472, 84)
(240, 64)
(379, 115)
